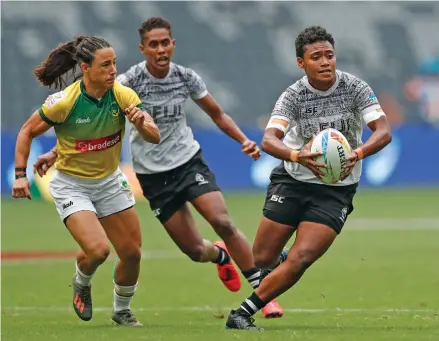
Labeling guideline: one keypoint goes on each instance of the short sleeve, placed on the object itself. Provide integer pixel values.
(196, 85)
(54, 109)
(365, 99)
(286, 108)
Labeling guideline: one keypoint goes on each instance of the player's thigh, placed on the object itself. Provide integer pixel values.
(212, 207)
(123, 231)
(329, 205)
(114, 195)
(75, 208)
(197, 183)
(182, 229)
(70, 195)
(160, 191)
(312, 241)
(88, 232)
(271, 238)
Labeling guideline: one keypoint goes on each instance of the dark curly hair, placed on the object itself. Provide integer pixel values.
(310, 35)
(152, 23)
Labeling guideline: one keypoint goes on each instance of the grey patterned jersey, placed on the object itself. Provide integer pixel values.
(309, 111)
(164, 99)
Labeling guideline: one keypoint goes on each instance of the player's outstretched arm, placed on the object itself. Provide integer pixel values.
(228, 126)
(144, 124)
(34, 127)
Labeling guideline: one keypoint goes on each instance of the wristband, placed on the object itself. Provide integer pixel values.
(20, 169)
(20, 175)
(294, 155)
(360, 154)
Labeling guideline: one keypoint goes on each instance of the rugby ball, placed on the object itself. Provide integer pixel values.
(336, 150)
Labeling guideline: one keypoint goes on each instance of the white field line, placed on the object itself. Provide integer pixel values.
(365, 224)
(49, 309)
(149, 255)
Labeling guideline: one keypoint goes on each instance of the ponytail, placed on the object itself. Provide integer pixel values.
(65, 58)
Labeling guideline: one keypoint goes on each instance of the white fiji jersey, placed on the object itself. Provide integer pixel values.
(309, 111)
(164, 100)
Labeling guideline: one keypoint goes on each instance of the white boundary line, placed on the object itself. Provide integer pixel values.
(364, 224)
(150, 255)
(212, 309)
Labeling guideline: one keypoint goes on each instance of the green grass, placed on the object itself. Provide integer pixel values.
(354, 289)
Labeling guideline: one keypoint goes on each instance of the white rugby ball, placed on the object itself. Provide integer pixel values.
(336, 150)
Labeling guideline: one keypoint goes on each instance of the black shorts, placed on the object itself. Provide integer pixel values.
(290, 201)
(168, 191)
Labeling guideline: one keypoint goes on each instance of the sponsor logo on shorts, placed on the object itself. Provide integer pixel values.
(156, 212)
(97, 145)
(200, 179)
(126, 186)
(344, 213)
(67, 205)
(277, 198)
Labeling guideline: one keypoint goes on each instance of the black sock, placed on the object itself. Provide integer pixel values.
(253, 276)
(251, 305)
(223, 257)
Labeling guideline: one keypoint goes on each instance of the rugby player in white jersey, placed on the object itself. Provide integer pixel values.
(174, 173)
(297, 200)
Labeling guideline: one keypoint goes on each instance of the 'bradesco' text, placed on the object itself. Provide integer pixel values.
(97, 145)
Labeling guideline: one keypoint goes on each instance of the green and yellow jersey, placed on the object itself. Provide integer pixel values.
(89, 131)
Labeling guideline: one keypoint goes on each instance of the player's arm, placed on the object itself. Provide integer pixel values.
(144, 123)
(373, 115)
(381, 137)
(45, 161)
(281, 119)
(141, 120)
(34, 127)
(227, 125)
(220, 118)
(200, 95)
(272, 140)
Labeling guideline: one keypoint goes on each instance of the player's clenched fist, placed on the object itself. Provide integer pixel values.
(136, 115)
(21, 188)
(251, 149)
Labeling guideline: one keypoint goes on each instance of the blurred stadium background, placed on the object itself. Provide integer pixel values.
(378, 282)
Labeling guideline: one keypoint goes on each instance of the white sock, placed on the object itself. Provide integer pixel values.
(123, 296)
(81, 278)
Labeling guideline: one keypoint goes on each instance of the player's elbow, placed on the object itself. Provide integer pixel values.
(26, 131)
(266, 144)
(387, 136)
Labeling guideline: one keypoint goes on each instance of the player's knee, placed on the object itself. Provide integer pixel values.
(131, 254)
(263, 259)
(99, 253)
(305, 257)
(223, 226)
(195, 253)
